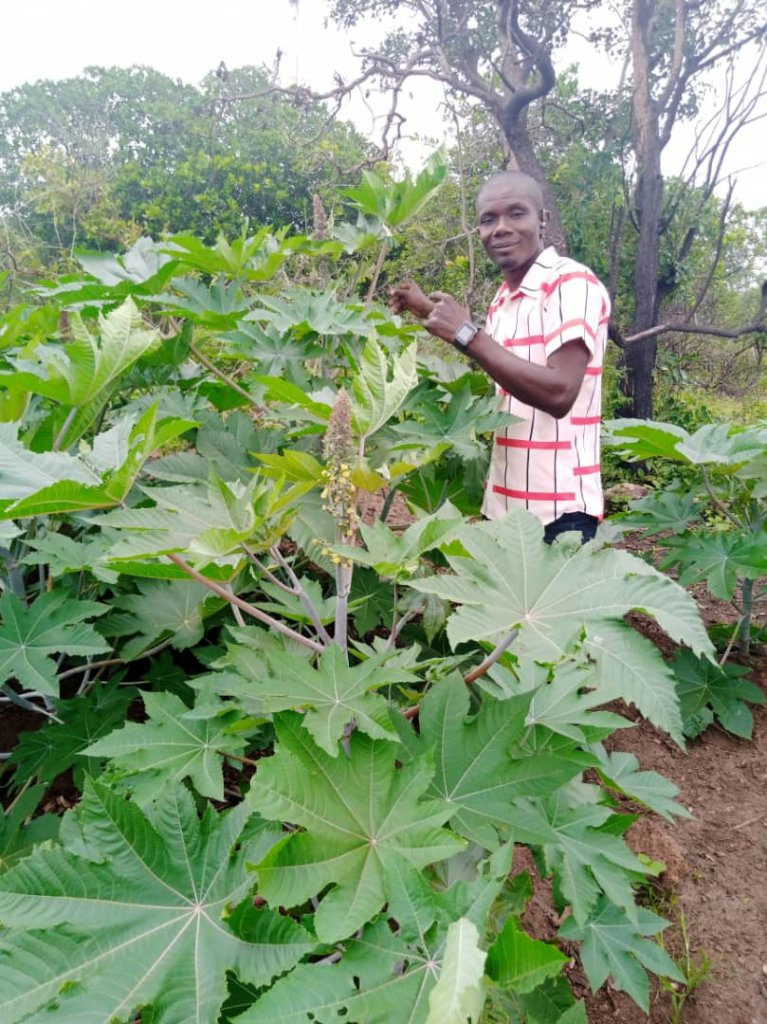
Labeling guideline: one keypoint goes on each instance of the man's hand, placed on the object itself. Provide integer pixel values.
(408, 298)
(446, 316)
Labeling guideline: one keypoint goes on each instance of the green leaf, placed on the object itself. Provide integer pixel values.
(639, 439)
(578, 845)
(519, 963)
(379, 391)
(331, 695)
(476, 773)
(359, 812)
(172, 745)
(722, 559)
(459, 995)
(664, 510)
(398, 554)
(45, 753)
(137, 912)
(616, 945)
(621, 771)
(21, 830)
(382, 978)
(23, 472)
(457, 425)
(707, 689)
(172, 610)
(507, 578)
(30, 636)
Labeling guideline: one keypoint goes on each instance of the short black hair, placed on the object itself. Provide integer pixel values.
(520, 180)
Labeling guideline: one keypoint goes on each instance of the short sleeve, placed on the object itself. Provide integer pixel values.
(576, 307)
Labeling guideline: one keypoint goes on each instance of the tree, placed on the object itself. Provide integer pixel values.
(497, 52)
(96, 159)
(670, 48)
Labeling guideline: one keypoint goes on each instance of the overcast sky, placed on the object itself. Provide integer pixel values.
(58, 38)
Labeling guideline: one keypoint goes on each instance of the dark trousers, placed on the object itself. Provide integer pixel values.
(585, 524)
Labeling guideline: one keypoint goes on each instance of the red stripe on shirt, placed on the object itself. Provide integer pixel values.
(585, 421)
(593, 371)
(574, 275)
(499, 299)
(513, 442)
(537, 339)
(535, 495)
(586, 470)
(570, 323)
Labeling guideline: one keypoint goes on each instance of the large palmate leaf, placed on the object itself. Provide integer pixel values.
(616, 945)
(713, 443)
(172, 745)
(306, 312)
(477, 772)
(30, 636)
(706, 690)
(378, 391)
(134, 911)
(722, 559)
(621, 771)
(360, 813)
(506, 578)
(394, 203)
(456, 425)
(45, 753)
(83, 373)
(209, 521)
(172, 609)
(399, 554)
(23, 472)
(388, 974)
(331, 695)
(50, 483)
(382, 978)
(588, 857)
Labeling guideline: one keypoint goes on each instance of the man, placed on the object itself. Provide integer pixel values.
(543, 344)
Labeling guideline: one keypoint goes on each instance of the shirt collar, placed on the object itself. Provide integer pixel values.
(537, 273)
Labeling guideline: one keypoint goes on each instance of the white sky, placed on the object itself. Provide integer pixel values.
(58, 38)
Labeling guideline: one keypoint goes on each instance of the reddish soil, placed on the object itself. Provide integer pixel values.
(715, 890)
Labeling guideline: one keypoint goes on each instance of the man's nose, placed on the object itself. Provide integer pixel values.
(503, 225)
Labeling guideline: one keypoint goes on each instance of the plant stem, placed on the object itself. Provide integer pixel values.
(716, 501)
(298, 590)
(491, 659)
(376, 274)
(388, 502)
(747, 595)
(64, 428)
(244, 605)
(201, 358)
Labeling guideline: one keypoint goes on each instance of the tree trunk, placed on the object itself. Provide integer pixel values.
(641, 355)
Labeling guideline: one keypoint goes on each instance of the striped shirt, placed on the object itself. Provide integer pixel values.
(550, 466)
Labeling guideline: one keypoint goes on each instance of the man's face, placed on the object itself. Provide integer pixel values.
(510, 226)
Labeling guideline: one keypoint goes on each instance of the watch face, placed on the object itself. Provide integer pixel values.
(465, 334)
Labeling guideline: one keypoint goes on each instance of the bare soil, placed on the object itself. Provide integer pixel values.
(715, 889)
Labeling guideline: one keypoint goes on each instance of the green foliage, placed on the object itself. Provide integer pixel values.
(190, 449)
(719, 519)
(162, 900)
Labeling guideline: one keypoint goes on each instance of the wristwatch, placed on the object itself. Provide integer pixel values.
(465, 334)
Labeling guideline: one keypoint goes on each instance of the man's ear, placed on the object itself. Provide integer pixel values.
(545, 217)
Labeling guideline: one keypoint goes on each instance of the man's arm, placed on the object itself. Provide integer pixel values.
(552, 388)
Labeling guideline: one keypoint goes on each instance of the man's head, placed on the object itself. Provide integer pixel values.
(511, 220)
